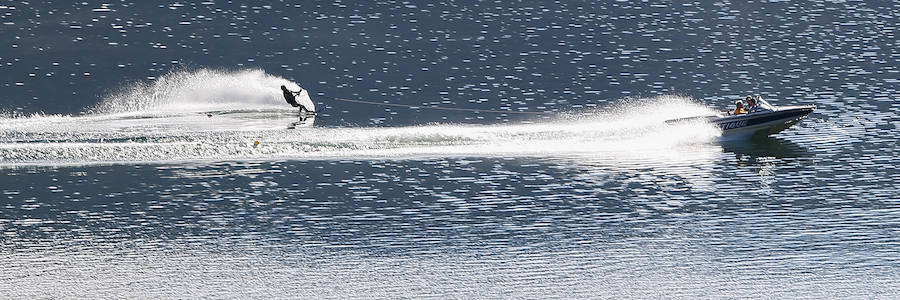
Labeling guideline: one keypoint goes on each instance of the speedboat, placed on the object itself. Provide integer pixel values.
(763, 120)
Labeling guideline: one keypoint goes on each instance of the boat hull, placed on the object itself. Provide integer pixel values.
(762, 123)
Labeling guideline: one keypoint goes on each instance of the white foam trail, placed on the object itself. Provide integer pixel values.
(163, 121)
(636, 129)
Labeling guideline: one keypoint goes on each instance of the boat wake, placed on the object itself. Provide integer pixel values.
(169, 121)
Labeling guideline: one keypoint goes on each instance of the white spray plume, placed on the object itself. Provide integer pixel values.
(201, 90)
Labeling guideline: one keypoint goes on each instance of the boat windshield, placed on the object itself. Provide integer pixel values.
(763, 105)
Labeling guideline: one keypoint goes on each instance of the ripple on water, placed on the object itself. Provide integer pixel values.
(524, 226)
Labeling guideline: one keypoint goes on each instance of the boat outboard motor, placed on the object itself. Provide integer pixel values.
(290, 97)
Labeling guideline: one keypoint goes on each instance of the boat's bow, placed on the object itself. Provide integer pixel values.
(798, 111)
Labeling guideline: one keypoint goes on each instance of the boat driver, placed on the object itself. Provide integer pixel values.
(751, 104)
(739, 110)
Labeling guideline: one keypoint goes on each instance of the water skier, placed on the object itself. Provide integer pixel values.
(291, 97)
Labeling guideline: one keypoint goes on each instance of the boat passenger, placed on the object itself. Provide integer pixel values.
(739, 110)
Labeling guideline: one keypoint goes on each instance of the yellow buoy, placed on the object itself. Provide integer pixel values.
(255, 143)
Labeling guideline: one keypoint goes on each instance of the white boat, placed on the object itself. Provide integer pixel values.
(763, 120)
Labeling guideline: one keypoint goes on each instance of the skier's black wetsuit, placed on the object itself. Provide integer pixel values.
(289, 96)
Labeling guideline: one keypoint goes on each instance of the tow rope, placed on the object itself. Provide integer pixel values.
(436, 107)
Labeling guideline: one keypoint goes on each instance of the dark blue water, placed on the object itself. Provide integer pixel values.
(145, 150)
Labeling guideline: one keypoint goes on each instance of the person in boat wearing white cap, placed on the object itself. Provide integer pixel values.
(739, 109)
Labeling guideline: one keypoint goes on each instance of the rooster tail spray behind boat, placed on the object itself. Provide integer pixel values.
(761, 120)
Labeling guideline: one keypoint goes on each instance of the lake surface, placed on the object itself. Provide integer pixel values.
(145, 150)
